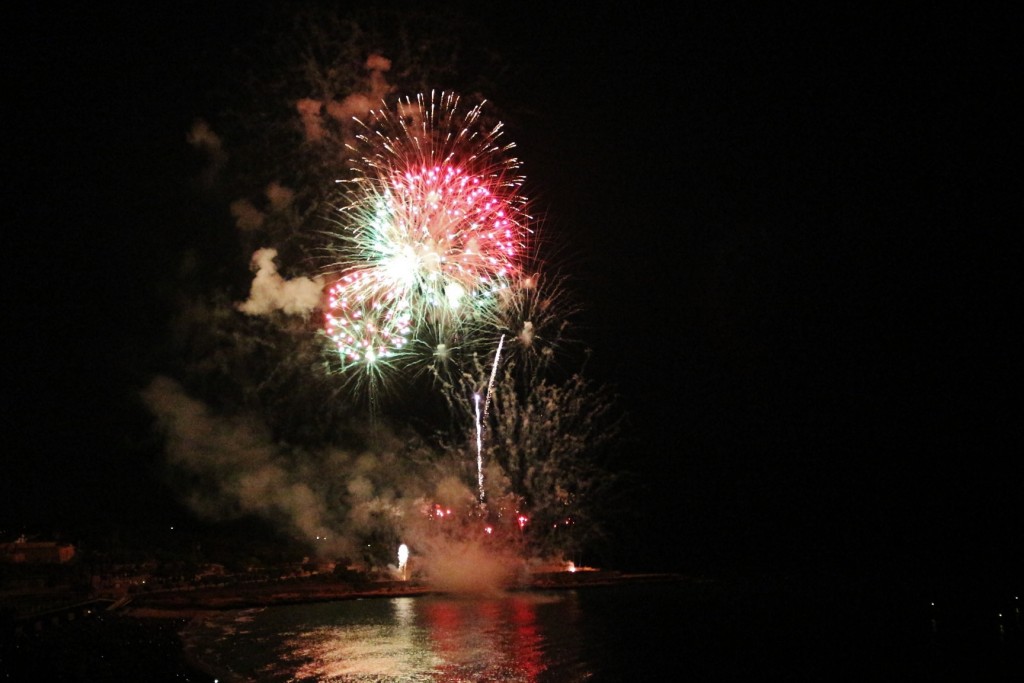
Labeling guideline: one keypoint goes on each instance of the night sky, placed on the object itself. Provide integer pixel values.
(798, 238)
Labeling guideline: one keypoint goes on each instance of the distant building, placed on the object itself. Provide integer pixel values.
(23, 551)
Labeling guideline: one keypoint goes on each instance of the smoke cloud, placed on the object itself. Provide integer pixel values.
(279, 196)
(202, 137)
(270, 292)
(241, 470)
(247, 216)
(338, 498)
(356, 105)
(312, 124)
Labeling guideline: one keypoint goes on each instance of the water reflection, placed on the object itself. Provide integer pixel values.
(525, 638)
(352, 652)
(485, 639)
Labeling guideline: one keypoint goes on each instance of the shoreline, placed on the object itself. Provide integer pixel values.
(197, 602)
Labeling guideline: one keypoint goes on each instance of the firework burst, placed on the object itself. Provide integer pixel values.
(366, 325)
(432, 230)
(533, 315)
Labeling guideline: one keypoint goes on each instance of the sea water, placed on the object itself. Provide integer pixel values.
(644, 632)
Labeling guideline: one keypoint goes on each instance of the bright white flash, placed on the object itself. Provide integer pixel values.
(453, 293)
(403, 555)
(403, 266)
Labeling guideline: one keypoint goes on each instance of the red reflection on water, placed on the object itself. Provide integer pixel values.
(445, 623)
(528, 640)
(501, 632)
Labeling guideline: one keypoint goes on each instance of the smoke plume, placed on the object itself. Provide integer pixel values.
(337, 499)
(270, 292)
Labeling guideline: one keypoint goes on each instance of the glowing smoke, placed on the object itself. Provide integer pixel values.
(270, 292)
(337, 498)
(468, 565)
(459, 549)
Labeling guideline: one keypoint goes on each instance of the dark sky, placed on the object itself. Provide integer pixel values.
(799, 237)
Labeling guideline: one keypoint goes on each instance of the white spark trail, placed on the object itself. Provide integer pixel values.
(479, 420)
(494, 371)
(479, 448)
